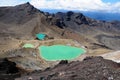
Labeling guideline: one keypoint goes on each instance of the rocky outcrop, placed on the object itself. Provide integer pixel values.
(8, 70)
(91, 68)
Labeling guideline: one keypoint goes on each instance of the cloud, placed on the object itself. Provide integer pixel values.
(82, 5)
(11, 2)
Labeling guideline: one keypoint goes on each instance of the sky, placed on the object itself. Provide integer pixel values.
(80, 5)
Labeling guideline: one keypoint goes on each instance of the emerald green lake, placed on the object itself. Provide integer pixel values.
(60, 52)
(28, 46)
(40, 36)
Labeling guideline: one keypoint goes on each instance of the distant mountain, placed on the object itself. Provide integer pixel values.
(95, 15)
(106, 33)
(103, 16)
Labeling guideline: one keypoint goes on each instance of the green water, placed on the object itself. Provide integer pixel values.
(40, 36)
(60, 52)
(28, 46)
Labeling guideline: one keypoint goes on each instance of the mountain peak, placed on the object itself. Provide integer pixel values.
(28, 3)
(18, 14)
(25, 5)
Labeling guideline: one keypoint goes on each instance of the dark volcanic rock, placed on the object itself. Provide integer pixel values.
(69, 19)
(63, 62)
(92, 68)
(8, 70)
(78, 22)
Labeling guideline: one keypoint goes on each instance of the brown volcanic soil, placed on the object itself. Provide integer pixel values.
(91, 68)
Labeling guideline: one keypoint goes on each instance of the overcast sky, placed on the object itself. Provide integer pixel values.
(82, 5)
